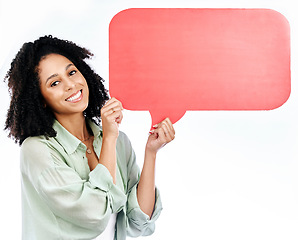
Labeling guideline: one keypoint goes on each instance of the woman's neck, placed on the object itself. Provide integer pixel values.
(76, 125)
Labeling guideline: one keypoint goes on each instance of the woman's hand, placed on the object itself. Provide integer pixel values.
(111, 116)
(162, 134)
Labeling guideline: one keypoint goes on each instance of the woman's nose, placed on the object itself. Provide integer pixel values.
(69, 84)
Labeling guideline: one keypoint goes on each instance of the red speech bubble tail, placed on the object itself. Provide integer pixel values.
(157, 116)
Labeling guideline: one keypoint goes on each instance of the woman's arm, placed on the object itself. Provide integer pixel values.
(162, 134)
(111, 115)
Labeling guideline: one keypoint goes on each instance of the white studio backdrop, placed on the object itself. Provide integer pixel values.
(227, 175)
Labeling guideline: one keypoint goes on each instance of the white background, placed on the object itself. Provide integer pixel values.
(227, 175)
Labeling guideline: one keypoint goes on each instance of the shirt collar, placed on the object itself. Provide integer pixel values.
(69, 142)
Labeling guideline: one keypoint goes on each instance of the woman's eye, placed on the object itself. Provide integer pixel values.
(53, 84)
(72, 72)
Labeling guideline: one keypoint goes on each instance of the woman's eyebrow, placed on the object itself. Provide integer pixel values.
(52, 76)
(56, 74)
(68, 66)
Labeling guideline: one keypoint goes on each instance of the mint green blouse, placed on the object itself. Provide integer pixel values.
(62, 199)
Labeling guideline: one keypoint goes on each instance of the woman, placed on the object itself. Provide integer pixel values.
(79, 179)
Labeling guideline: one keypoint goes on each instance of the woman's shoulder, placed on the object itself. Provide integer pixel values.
(38, 142)
(34, 143)
(35, 155)
(40, 146)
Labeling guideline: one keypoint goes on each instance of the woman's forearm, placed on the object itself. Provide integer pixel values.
(146, 186)
(108, 156)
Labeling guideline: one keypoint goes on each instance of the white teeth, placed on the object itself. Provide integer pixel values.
(74, 97)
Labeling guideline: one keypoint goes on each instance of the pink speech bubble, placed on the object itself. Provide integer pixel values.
(169, 61)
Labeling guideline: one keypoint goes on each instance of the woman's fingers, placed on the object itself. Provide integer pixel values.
(111, 115)
(165, 130)
(111, 106)
(118, 115)
(170, 125)
(112, 110)
(168, 132)
(161, 134)
(168, 129)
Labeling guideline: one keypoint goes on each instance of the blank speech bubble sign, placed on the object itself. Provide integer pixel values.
(172, 60)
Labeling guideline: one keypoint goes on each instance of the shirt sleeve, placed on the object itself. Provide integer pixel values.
(138, 223)
(84, 204)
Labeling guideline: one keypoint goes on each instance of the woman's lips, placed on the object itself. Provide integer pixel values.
(75, 97)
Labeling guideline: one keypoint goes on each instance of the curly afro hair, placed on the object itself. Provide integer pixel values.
(27, 116)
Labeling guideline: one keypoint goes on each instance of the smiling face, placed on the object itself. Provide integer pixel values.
(62, 86)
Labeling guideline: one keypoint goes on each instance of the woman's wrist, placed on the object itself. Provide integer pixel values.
(109, 138)
(150, 154)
